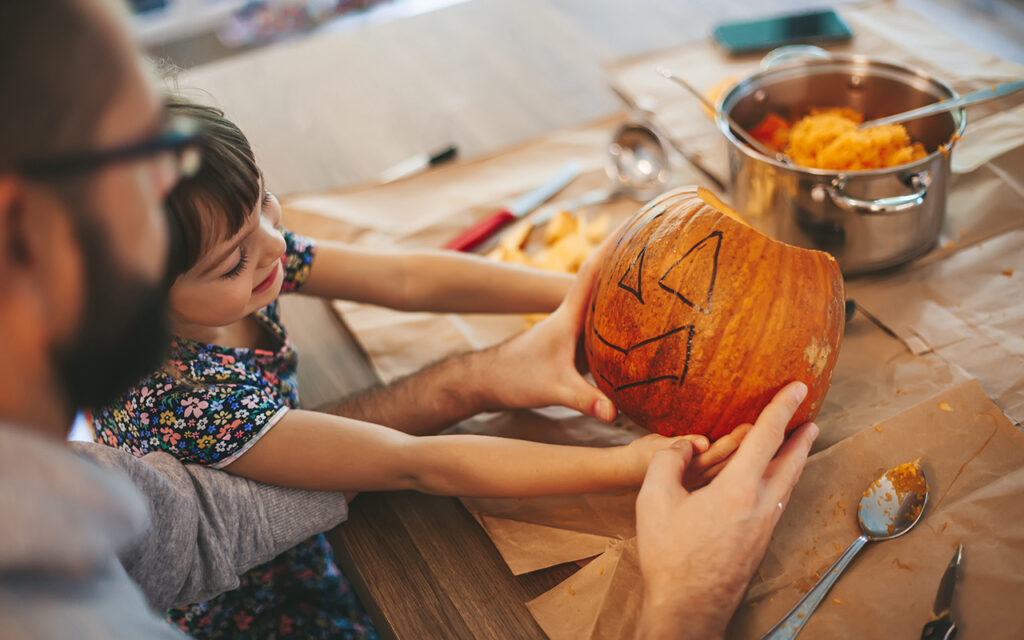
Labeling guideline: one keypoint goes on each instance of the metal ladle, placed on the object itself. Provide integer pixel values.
(891, 506)
(643, 108)
(639, 162)
(638, 167)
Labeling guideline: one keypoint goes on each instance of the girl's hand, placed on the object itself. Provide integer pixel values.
(637, 454)
(704, 467)
(708, 459)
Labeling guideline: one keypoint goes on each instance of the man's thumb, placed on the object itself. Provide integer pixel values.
(588, 399)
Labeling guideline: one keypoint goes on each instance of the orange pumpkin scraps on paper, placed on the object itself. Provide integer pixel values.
(568, 240)
(697, 319)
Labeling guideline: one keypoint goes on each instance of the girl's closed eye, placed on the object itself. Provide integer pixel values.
(243, 260)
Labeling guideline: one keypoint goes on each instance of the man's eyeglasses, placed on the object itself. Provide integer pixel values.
(180, 137)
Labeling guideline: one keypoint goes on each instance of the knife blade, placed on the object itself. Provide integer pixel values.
(482, 230)
(941, 626)
(588, 199)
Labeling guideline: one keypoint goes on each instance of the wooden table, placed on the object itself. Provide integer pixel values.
(421, 564)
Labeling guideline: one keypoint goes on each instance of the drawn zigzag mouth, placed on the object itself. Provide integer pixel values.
(682, 333)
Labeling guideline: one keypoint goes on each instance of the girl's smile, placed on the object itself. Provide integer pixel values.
(269, 280)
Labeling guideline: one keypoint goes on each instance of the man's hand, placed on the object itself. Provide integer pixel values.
(698, 550)
(538, 368)
(711, 461)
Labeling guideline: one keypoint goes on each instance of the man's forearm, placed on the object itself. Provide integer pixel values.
(432, 399)
(675, 618)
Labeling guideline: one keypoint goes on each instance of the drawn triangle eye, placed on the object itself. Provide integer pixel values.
(692, 277)
(632, 280)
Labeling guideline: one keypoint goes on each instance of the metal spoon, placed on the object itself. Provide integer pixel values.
(740, 131)
(891, 506)
(984, 95)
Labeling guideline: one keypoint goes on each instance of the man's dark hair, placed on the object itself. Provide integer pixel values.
(61, 64)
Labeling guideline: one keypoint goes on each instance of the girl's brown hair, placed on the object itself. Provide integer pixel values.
(216, 202)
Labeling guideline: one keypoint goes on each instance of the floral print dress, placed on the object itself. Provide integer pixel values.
(208, 406)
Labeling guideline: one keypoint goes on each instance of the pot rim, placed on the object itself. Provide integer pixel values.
(836, 62)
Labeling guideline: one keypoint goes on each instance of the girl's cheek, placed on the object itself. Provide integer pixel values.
(241, 294)
(231, 300)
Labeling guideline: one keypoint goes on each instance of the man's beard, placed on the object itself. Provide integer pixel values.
(123, 333)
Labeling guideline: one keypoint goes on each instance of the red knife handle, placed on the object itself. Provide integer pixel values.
(479, 232)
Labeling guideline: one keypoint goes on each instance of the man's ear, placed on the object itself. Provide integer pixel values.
(41, 263)
(36, 250)
(21, 301)
(13, 246)
(28, 329)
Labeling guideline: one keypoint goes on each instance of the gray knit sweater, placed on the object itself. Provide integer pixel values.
(93, 541)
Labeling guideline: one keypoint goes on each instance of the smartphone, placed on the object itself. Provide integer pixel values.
(798, 28)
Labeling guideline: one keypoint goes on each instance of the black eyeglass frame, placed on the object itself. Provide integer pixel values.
(181, 135)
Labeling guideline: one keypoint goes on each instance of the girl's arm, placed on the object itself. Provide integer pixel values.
(310, 450)
(447, 281)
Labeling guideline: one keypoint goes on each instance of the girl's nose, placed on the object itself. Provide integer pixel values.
(272, 242)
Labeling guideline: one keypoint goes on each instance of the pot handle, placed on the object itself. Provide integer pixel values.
(780, 55)
(918, 181)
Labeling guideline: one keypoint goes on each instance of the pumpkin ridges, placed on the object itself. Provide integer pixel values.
(744, 317)
(703, 405)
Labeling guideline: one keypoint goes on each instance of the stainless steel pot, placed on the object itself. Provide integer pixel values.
(869, 220)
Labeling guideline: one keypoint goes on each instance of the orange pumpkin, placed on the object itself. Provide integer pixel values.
(697, 319)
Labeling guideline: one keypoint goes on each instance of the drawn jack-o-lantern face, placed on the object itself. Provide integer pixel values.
(696, 319)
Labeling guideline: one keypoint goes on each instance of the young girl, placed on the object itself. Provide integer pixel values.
(227, 396)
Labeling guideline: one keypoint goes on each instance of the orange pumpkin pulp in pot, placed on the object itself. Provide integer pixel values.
(696, 319)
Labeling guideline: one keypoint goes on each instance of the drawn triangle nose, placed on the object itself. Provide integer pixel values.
(632, 281)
